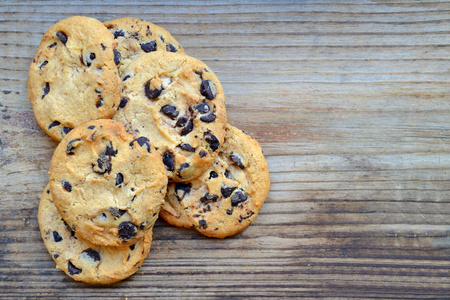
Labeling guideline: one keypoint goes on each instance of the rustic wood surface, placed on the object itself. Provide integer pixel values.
(350, 101)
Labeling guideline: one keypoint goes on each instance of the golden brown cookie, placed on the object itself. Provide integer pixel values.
(82, 260)
(107, 185)
(136, 36)
(178, 103)
(73, 78)
(227, 197)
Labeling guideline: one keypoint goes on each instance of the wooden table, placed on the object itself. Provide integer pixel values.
(350, 101)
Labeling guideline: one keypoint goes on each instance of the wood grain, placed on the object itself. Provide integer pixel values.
(350, 102)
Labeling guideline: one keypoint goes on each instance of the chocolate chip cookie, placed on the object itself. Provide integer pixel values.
(227, 197)
(136, 36)
(82, 260)
(73, 78)
(107, 185)
(178, 103)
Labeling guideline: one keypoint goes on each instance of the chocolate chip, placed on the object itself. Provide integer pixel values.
(56, 255)
(119, 180)
(149, 46)
(56, 237)
(182, 189)
(115, 212)
(237, 160)
(126, 77)
(187, 147)
(52, 45)
(202, 153)
(127, 230)
(212, 141)
(66, 185)
(196, 216)
(188, 128)
(202, 107)
(103, 46)
(170, 111)
(43, 64)
(45, 90)
(213, 174)
(110, 151)
(202, 224)
(70, 147)
(143, 142)
(229, 212)
(238, 197)
(103, 165)
(152, 93)
(209, 197)
(208, 89)
(91, 253)
(123, 102)
(143, 225)
(171, 48)
(66, 130)
(182, 167)
(72, 269)
(91, 127)
(117, 57)
(62, 37)
(227, 191)
(89, 59)
(181, 121)
(243, 218)
(200, 74)
(132, 247)
(162, 38)
(208, 118)
(53, 124)
(118, 33)
(99, 103)
(169, 161)
(103, 217)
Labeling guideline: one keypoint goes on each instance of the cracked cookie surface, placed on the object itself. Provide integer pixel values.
(177, 102)
(227, 197)
(82, 260)
(136, 36)
(107, 185)
(73, 78)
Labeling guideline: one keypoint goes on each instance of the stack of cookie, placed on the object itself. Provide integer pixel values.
(167, 151)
